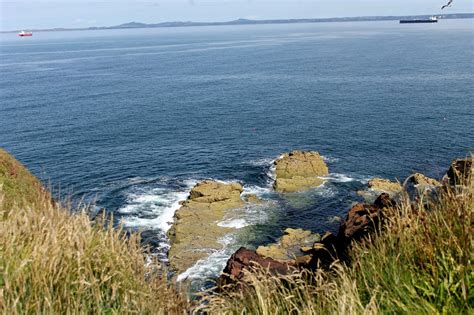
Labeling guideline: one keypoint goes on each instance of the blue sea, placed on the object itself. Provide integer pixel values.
(130, 120)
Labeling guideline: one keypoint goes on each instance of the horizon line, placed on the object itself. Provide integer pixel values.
(164, 24)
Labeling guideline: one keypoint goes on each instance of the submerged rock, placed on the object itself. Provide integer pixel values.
(299, 170)
(252, 198)
(290, 246)
(195, 231)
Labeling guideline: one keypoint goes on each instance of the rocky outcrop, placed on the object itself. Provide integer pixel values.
(377, 186)
(361, 220)
(420, 179)
(424, 186)
(245, 259)
(384, 185)
(299, 170)
(195, 231)
(290, 246)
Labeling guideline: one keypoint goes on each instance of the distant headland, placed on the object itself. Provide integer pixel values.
(131, 25)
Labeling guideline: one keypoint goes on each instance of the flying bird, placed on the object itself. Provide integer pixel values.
(447, 4)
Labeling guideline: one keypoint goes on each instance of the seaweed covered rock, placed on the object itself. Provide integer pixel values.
(299, 170)
(290, 246)
(195, 232)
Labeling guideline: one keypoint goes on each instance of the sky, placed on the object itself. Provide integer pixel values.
(34, 14)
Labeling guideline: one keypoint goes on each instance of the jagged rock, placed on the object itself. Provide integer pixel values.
(290, 245)
(363, 218)
(245, 259)
(460, 172)
(194, 232)
(299, 170)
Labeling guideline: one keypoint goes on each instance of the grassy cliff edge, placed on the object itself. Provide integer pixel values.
(55, 262)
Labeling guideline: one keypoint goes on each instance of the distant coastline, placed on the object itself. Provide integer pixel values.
(132, 25)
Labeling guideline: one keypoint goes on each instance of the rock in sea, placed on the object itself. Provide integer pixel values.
(195, 232)
(299, 170)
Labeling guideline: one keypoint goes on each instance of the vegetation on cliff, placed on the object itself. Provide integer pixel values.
(54, 262)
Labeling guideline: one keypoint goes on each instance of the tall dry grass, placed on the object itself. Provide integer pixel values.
(53, 262)
(421, 263)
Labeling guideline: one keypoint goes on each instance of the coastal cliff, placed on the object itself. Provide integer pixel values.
(55, 260)
(420, 241)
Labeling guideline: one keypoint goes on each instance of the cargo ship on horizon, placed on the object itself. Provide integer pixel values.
(431, 19)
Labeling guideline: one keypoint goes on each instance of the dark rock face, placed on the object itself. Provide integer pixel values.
(460, 172)
(245, 259)
(363, 219)
(324, 253)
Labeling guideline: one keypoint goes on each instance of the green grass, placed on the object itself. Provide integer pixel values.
(54, 262)
(17, 185)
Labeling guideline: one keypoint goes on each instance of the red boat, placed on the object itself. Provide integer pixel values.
(24, 34)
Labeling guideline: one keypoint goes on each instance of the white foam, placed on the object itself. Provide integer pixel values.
(233, 223)
(263, 162)
(256, 190)
(154, 208)
(344, 178)
(211, 265)
(329, 159)
(339, 178)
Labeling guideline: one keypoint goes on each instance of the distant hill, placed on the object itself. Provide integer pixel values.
(131, 25)
(292, 21)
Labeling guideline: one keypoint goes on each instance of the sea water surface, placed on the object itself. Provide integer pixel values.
(129, 120)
